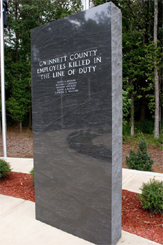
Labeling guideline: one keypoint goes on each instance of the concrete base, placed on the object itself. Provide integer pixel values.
(18, 226)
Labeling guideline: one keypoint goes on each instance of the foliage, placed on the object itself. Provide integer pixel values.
(152, 196)
(32, 174)
(126, 132)
(126, 108)
(139, 53)
(18, 103)
(145, 127)
(4, 169)
(22, 17)
(140, 160)
(151, 141)
(156, 143)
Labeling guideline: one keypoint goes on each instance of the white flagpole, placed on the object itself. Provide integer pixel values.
(3, 84)
(85, 4)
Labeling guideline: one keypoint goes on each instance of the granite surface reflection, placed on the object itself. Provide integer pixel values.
(72, 108)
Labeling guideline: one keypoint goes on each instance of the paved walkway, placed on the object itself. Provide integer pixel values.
(18, 225)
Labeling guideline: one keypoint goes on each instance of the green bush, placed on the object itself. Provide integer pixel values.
(126, 129)
(152, 196)
(140, 160)
(32, 174)
(146, 127)
(4, 169)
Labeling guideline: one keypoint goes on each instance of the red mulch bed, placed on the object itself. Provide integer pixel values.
(134, 219)
(138, 221)
(18, 185)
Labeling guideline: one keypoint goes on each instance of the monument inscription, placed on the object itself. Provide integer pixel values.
(70, 65)
(76, 67)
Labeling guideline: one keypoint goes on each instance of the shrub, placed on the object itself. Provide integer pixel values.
(4, 169)
(126, 111)
(152, 196)
(126, 129)
(146, 127)
(32, 174)
(140, 160)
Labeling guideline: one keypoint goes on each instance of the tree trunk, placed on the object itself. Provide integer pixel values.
(20, 127)
(156, 127)
(143, 107)
(132, 113)
(30, 118)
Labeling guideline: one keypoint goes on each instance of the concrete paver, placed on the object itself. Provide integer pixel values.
(131, 239)
(8, 203)
(126, 176)
(132, 180)
(22, 165)
(18, 224)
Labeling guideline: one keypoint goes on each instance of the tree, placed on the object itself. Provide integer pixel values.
(22, 17)
(19, 101)
(139, 51)
(138, 56)
(126, 108)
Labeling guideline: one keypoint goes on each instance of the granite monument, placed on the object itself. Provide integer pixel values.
(76, 67)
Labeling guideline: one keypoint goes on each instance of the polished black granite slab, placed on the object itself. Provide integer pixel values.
(77, 123)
